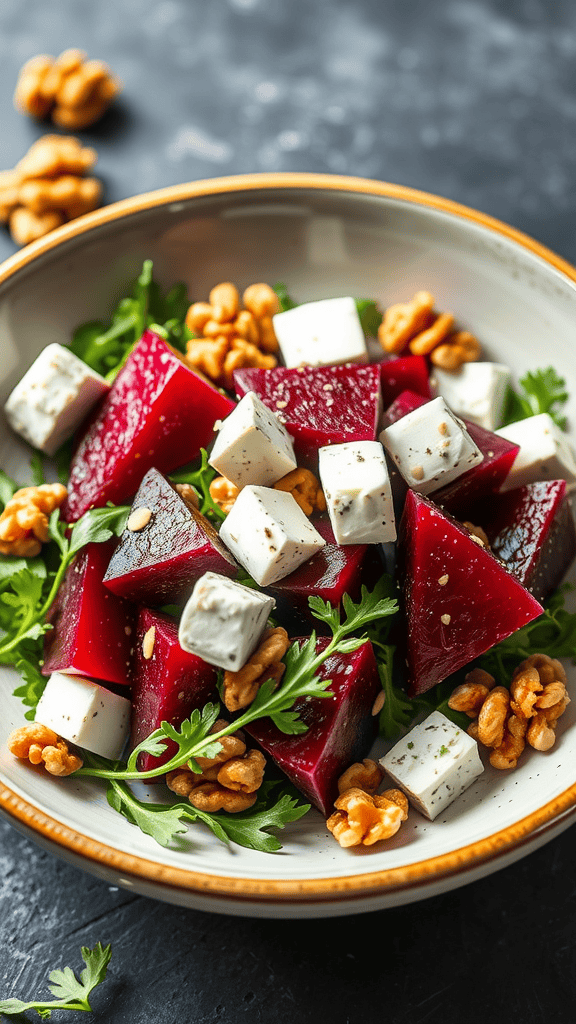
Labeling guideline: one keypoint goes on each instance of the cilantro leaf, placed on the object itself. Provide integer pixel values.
(370, 316)
(286, 302)
(71, 993)
(542, 391)
(98, 525)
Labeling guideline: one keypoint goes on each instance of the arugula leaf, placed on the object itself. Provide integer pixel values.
(7, 488)
(71, 993)
(542, 391)
(552, 633)
(98, 525)
(200, 479)
(163, 822)
(370, 316)
(251, 828)
(106, 347)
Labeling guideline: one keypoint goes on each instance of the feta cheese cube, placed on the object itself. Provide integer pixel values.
(85, 713)
(433, 764)
(323, 333)
(545, 453)
(358, 495)
(53, 398)
(477, 392)
(268, 533)
(252, 446)
(431, 447)
(223, 621)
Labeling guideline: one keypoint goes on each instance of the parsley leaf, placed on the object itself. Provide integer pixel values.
(71, 993)
(542, 391)
(286, 302)
(7, 488)
(370, 316)
(552, 633)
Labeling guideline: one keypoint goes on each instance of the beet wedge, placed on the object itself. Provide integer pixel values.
(92, 630)
(458, 598)
(531, 530)
(318, 405)
(157, 413)
(160, 563)
(408, 373)
(341, 728)
(167, 685)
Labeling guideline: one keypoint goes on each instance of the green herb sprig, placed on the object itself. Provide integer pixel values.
(71, 993)
(200, 479)
(106, 347)
(541, 391)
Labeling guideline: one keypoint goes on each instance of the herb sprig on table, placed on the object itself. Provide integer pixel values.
(71, 992)
(194, 739)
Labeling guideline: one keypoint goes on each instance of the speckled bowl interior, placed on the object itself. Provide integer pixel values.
(324, 237)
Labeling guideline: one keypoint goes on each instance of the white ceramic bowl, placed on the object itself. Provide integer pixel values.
(323, 236)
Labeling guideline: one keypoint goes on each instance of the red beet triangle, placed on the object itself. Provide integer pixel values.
(318, 405)
(408, 373)
(93, 630)
(531, 530)
(160, 563)
(341, 729)
(167, 686)
(458, 598)
(459, 496)
(157, 413)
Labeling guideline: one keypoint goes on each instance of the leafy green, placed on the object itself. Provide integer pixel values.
(542, 391)
(105, 347)
(71, 993)
(37, 475)
(286, 302)
(7, 488)
(200, 478)
(250, 828)
(370, 316)
(27, 593)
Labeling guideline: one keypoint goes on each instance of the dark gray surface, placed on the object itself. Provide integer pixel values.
(477, 102)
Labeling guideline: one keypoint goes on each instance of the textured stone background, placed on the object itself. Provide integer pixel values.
(472, 100)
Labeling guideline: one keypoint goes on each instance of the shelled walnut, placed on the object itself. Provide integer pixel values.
(228, 337)
(505, 720)
(415, 325)
(48, 187)
(241, 687)
(73, 91)
(24, 521)
(40, 745)
(362, 816)
(228, 782)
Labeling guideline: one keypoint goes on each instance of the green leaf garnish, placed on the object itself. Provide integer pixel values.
(542, 391)
(200, 479)
(370, 316)
(286, 302)
(71, 993)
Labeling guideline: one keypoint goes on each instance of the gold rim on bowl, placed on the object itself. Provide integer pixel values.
(343, 887)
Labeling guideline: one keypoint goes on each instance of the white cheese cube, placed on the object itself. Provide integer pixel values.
(53, 397)
(433, 764)
(431, 447)
(268, 533)
(545, 453)
(223, 621)
(86, 714)
(252, 446)
(477, 392)
(323, 333)
(358, 495)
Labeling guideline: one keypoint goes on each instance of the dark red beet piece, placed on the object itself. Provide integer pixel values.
(408, 373)
(167, 687)
(477, 604)
(161, 563)
(331, 573)
(93, 630)
(157, 413)
(341, 729)
(499, 454)
(318, 405)
(531, 530)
